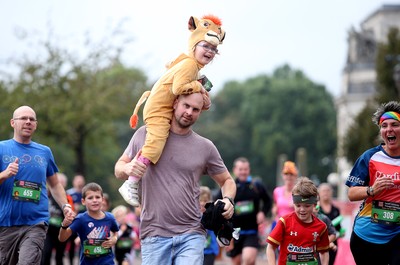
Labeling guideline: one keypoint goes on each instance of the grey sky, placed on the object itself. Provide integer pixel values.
(310, 35)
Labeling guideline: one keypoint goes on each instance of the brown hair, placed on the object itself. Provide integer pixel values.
(240, 159)
(385, 107)
(305, 188)
(92, 187)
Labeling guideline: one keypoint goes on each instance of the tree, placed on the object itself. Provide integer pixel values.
(83, 105)
(388, 56)
(362, 134)
(264, 117)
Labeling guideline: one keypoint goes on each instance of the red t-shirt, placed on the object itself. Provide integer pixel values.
(299, 241)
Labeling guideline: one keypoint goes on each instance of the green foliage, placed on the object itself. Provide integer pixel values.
(361, 135)
(83, 106)
(264, 117)
(388, 56)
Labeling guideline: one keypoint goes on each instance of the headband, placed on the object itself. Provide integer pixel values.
(301, 199)
(389, 115)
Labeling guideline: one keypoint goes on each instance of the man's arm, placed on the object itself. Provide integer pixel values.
(59, 195)
(228, 188)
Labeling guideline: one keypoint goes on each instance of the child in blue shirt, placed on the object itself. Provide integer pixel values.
(211, 248)
(95, 228)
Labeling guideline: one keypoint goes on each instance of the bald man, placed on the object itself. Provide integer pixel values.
(25, 169)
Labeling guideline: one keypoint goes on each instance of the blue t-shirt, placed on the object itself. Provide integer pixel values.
(23, 197)
(211, 245)
(92, 233)
(369, 225)
(77, 199)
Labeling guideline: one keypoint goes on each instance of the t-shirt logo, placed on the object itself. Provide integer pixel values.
(315, 235)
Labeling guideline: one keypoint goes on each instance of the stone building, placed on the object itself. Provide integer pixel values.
(358, 77)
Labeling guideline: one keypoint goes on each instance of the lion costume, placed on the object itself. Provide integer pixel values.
(181, 78)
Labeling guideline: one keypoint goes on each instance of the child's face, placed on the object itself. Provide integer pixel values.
(120, 217)
(204, 52)
(202, 204)
(93, 201)
(304, 211)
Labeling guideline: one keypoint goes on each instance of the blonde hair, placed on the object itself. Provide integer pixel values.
(119, 209)
(205, 193)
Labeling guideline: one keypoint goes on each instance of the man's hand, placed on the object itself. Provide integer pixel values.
(12, 169)
(69, 213)
(228, 208)
(135, 167)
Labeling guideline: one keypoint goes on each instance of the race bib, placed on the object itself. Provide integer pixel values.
(124, 243)
(301, 259)
(387, 213)
(56, 221)
(92, 248)
(244, 207)
(26, 191)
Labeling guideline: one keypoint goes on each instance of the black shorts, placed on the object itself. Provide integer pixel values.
(365, 252)
(242, 242)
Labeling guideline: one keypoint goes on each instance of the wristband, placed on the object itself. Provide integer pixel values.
(66, 205)
(230, 199)
(369, 194)
(64, 227)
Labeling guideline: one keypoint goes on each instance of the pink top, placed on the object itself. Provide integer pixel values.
(284, 204)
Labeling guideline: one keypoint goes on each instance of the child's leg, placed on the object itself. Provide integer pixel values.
(130, 189)
(144, 161)
(157, 130)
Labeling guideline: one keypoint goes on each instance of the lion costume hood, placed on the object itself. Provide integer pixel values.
(208, 29)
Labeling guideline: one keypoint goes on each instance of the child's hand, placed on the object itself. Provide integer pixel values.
(203, 90)
(332, 246)
(206, 100)
(110, 242)
(67, 221)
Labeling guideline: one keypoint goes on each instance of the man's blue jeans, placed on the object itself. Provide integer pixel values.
(187, 249)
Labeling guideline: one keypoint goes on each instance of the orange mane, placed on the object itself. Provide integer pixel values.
(217, 21)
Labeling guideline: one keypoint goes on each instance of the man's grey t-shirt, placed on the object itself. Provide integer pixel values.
(170, 189)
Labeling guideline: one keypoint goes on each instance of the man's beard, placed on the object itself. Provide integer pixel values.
(184, 124)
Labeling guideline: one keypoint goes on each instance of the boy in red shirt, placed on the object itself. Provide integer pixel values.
(300, 235)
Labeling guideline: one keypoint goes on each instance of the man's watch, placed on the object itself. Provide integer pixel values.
(230, 199)
(63, 226)
(66, 205)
